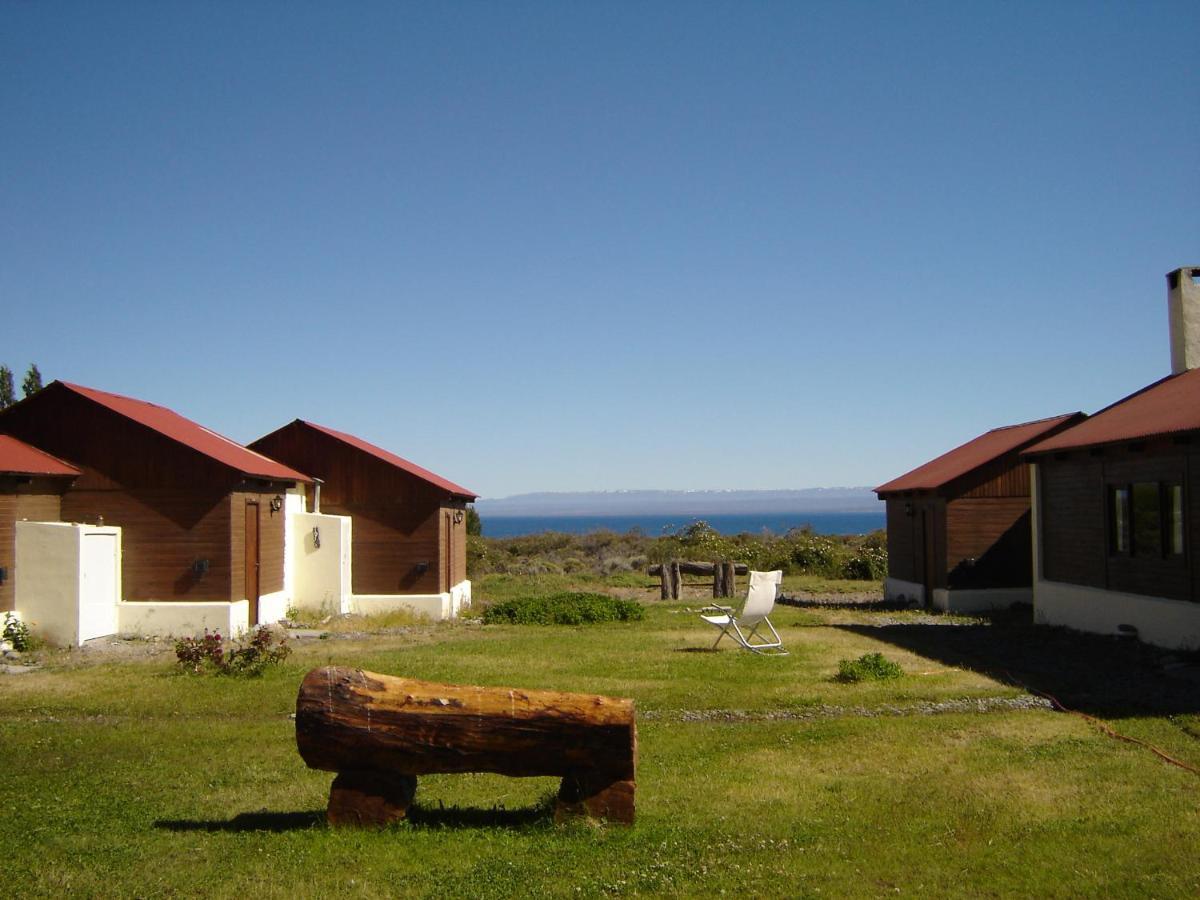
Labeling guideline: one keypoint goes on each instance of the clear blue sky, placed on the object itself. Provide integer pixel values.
(563, 246)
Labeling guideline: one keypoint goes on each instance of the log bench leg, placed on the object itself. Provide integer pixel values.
(367, 798)
(595, 795)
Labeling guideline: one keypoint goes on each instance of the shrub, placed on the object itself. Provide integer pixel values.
(248, 658)
(568, 608)
(868, 667)
(16, 633)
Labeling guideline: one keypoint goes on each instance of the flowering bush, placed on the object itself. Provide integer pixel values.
(250, 658)
(16, 633)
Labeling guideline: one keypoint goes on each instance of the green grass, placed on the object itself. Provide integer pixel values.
(126, 779)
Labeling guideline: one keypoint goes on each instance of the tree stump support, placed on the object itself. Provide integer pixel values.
(378, 733)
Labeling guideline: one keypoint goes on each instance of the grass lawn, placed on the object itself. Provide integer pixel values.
(759, 777)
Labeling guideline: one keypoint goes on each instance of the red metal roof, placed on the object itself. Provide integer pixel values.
(1168, 406)
(397, 461)
(18, 458)
(184, 431)
(973, 454)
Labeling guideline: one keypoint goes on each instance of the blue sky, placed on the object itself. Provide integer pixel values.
(566, 246)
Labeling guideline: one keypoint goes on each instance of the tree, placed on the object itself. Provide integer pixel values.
(7, 396)
(474, 525)
(33, 381)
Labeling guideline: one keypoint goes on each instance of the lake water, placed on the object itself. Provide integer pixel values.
(654, 526)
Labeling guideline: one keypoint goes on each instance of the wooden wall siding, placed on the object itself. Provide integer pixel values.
(1074, 540)
(163, 533)
(1008, 478)
(989, 543)
(900, 541)
(116, 450)
(270, 543)
(397, 522)
(35, 502)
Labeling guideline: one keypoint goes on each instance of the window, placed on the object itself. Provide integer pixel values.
(1118, 518)
(1174, 519)
(1145, 520)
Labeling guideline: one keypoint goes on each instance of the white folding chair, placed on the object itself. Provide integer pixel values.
(760, 600)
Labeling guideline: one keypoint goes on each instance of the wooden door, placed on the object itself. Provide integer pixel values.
(252, 568)
(448, 549)
(930, 566)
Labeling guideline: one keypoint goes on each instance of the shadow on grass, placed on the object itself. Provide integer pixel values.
(419, 816)
(255, 821)
(1104, 676)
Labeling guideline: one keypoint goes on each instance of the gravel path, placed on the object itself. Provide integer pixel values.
(925, 708)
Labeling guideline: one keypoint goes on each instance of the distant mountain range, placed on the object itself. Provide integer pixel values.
(681, 503)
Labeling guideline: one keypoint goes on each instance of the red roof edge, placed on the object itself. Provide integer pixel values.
(20, 458)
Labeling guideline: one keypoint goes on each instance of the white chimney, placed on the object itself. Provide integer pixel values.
(1183, 306)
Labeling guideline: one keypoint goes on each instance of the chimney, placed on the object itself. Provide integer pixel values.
(1183, 307)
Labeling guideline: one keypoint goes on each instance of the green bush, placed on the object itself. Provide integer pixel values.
(248, 658)
(567, 608)
(868, 667)
(16, 633)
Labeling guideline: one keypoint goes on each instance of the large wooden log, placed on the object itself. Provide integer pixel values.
(362, 724)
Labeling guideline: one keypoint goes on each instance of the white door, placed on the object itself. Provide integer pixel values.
(98, 585)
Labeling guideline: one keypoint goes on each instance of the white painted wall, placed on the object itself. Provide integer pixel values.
(898, 589)
(435, 607)
(1166, 623)
(294, 503)
(67, 580)
(321, 578)
(182, 618)
(976, 601)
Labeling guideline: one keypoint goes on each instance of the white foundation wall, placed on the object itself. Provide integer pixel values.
(321, 574)
(975, 601)
(434, 607)
(67, 580)
(294, 503)
(1174, 624)
(182, 618)
(897, 589)
(460, 597)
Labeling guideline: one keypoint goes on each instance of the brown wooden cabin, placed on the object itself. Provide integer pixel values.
(201, 516)
(31, 487)
(1119, 495)
(958, 527)
(409, 525)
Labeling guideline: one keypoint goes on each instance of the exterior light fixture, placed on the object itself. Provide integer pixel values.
(276, 503)
(316, 532)
(458, 516)
(200, 568)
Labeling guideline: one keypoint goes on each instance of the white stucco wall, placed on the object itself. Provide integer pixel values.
(182, 618)
(1166, 623)
(435, 607)
(898, 589)
(321, 574)
(294, 503)
(975, 601)
(67, 580)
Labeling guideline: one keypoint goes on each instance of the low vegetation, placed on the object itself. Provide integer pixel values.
(248, 657)
(798, 552)
(567, 608)
(868, 667)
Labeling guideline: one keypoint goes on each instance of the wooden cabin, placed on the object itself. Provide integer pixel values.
(202, 516)
(409, 524)
(1118, 518)
(1117, 503)
(32, 484)
(958, 527)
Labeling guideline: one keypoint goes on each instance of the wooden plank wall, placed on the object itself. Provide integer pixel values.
(900, 541)
(989, 542)
(37, 501)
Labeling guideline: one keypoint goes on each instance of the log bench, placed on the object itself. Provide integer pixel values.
(379, 732)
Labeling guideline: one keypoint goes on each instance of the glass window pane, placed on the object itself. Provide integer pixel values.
(1147, 520)
(1119, 517)
(1175, 519)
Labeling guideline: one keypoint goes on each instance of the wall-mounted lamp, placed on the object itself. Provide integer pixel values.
(908, 510)
(422, 568)
(200, 568)
(3, 574)
(316, 537)
(458, 517)
(276, 503)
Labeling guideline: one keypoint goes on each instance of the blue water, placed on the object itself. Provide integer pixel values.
(654, 526)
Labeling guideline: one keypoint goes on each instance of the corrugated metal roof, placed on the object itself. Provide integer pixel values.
(18, 458)
(397, 461)
(184, 431)
(1169, 406)
(973, 454)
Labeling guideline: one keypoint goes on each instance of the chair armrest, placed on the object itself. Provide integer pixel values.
(728, 610)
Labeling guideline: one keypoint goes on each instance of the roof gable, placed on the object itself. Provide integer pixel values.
(18, 458)
(188, 433)
(979, 451)
(1168, 406)
(391, 459)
